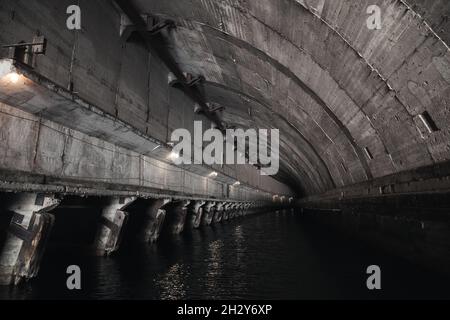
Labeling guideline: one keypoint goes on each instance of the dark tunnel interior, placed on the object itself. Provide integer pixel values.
(130, 129)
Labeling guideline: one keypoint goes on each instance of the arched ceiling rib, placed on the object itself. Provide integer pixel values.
(252, 68)
(246, 70)
(342, 86)
(306, 149)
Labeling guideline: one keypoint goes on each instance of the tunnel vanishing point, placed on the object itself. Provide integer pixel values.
(91, 90)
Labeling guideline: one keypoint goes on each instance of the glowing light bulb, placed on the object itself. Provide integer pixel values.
(14, 77)
(174, 155)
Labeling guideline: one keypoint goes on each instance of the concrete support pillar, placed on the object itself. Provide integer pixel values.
(197, 213)
(241, 210)
(233, 209)
(156, 214)
(208, 212)
(226, 211)
(244, 209)
(218, 215)
(178, 214)
(237, 210)
(247, 208)
(112, 224)
(26, 237)
(291, 203)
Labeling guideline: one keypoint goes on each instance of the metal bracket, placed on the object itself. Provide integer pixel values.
(38, 46)
(197, 108)
(190, 80)
(194, 81)
(173, 80)
(158, 27)
(24, 51)
(127, 30)
(216, 108)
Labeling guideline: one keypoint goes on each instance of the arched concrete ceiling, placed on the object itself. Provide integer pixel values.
(331, 85)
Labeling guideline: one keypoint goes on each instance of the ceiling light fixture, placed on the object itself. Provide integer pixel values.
(213, 174)
(13, 77)
(174, 155)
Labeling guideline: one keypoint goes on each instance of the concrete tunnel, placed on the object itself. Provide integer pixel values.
(87, 113)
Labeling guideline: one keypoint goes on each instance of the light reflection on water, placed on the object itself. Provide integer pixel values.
(214, 268)
(270, 256)
(172, 283)
(239, 241)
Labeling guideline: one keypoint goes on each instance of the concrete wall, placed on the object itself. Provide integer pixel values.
(328, 79)
(406, 214)
(30, 145)
(121, 79)
(414, 227)
(311, 68)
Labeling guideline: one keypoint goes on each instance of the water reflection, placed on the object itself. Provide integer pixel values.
(239, 242)
(107, 279)
(271, 256)
(213, 274)
(172, 283)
